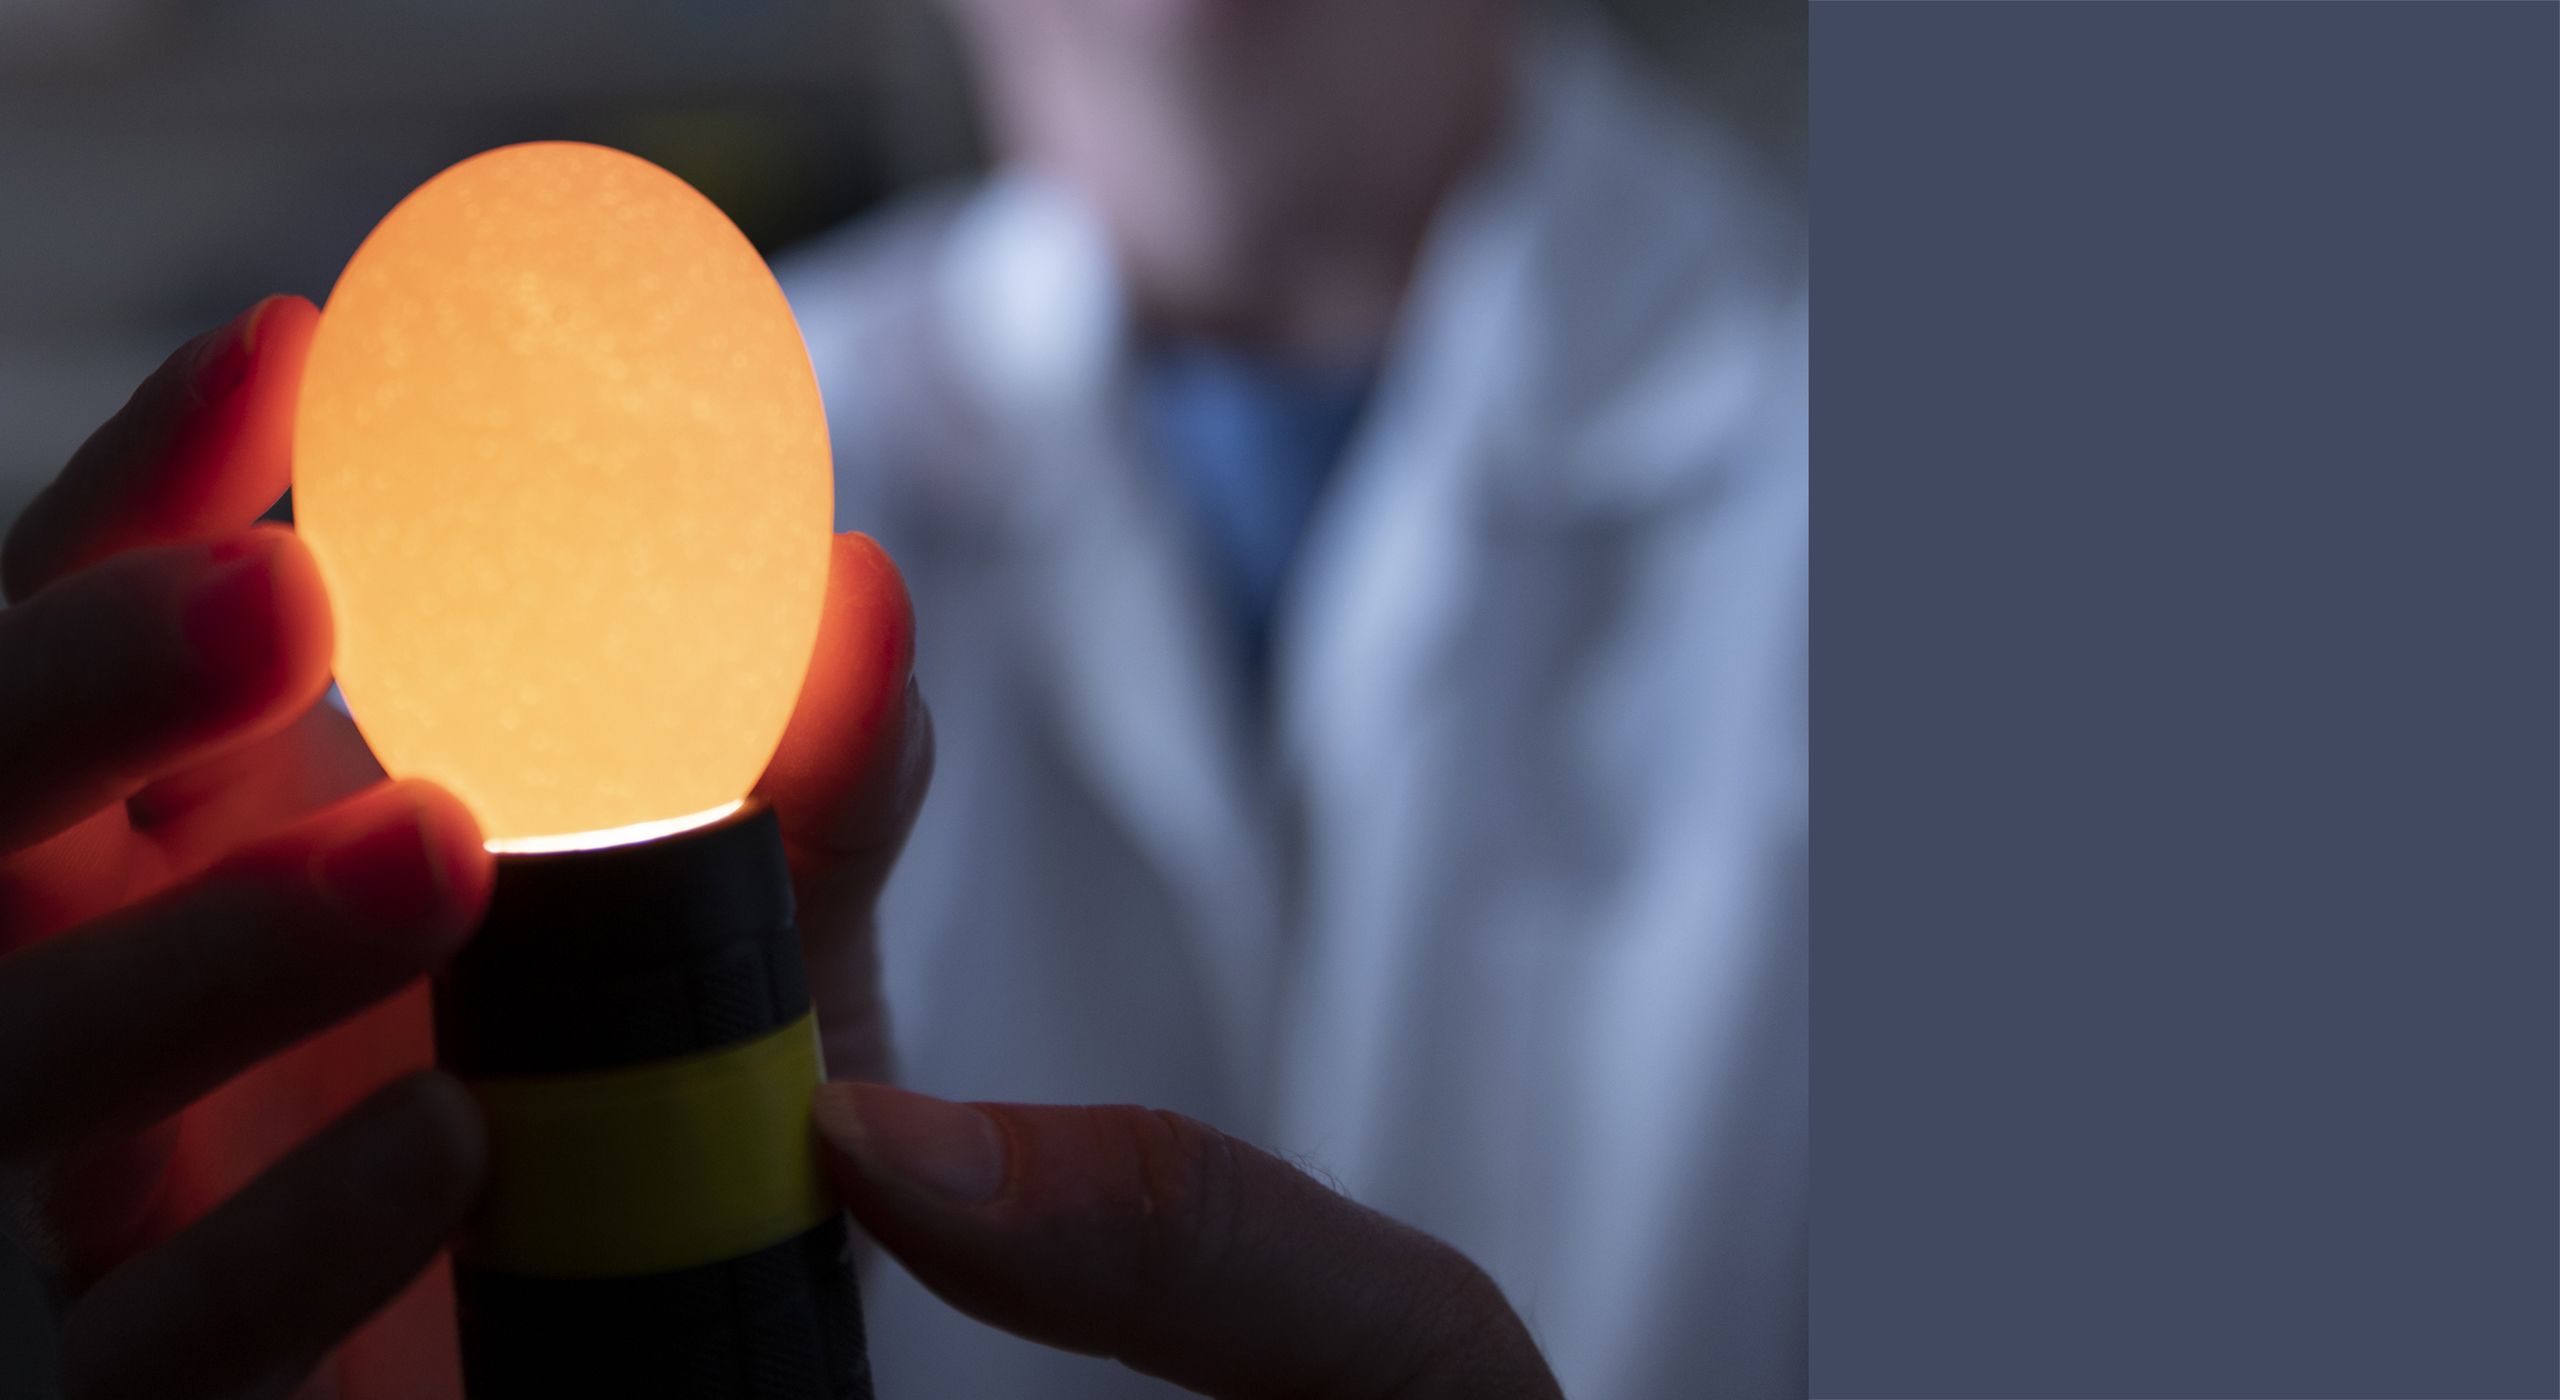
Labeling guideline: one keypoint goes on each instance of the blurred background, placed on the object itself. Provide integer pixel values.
(165, 162)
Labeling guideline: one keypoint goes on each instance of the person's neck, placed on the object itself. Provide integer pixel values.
(1289, 292)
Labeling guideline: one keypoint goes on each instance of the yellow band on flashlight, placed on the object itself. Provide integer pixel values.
(656, 1167)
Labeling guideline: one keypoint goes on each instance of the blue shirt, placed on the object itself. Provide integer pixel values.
(1248, 443)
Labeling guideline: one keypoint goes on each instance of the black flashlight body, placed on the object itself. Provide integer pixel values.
(636, 1024)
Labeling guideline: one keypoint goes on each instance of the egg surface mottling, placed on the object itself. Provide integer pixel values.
(560, 454)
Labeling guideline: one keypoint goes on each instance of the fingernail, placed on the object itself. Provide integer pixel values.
(223, 360)
(252, 321)
(948, 1152)
(231, 617)
(392, 875)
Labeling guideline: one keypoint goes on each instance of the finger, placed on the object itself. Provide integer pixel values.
(103, 1203)
(847, 781)
(71, 877)
(203, 812)
(1184, 1253)
(850, 768)
(150, 662)
(182, 823)
(103, 1206)
(146, 1010)
(252, 1295)
(408, 1351)
(202, 448)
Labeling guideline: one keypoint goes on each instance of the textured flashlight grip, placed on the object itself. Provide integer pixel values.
(599, 971)
(781, 1324)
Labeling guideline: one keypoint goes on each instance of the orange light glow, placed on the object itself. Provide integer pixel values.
(560, 455)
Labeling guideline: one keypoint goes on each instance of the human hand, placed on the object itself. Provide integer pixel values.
(1181, 1252)
(161, 665)
(187, 888)
(846, 782)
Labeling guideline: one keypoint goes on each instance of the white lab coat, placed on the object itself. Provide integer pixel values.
(1502, 921)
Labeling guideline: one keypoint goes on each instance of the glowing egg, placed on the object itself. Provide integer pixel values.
(560, 455)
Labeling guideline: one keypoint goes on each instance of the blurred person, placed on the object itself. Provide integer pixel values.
(1350, 460)
(216, 918)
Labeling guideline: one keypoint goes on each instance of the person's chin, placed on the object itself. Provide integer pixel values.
(1193, 20)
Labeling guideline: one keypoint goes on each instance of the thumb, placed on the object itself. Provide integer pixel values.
(1148, 1237)
(848, 780)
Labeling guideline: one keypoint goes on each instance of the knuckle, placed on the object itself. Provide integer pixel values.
(1187, 1197)
(1462, 1325)
(1471, 1304)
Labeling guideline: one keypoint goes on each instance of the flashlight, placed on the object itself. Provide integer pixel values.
(560, 455)
(636, 1024)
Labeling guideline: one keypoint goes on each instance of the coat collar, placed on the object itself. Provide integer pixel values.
(1588, 344)
(1612, 307)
